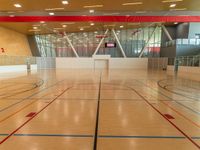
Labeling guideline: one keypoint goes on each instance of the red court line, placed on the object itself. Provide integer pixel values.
(164, 94)
(190, 139)
(5, 139)
(31, 114)
(21, 109)
(101, 18)
(179, 113)
(191, 121)
(168, 116)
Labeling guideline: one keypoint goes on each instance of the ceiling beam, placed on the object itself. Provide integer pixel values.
(100, 18)
(119, 44)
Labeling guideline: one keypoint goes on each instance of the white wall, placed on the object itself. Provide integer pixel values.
(74, 63)
(128, 63)
(114, 63)
(15, 68)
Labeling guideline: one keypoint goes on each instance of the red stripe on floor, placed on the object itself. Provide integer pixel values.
(6, 138)
(168, 116)
(31, 114)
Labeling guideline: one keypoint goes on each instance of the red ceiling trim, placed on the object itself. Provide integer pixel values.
(101, 18)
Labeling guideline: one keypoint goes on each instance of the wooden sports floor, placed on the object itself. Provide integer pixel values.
(94, 110)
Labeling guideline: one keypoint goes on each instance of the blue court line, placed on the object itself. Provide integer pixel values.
(196, 138)
(143, 137)
(52, 135)
(100, 136)
(23, 99)
(4, 134)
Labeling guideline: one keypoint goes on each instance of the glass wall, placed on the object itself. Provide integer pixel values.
(85, 43)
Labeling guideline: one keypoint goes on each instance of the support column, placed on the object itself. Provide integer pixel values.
(146, 44)
(118, 42)
(166, 32)
(70, 43)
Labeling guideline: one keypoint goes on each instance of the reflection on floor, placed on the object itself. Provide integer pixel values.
(87, 110)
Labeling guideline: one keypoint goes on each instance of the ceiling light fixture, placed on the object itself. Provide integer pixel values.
(178, 9)
(91, 11)
(81, 29)
(42, 22)
(68, 23)
(17, 5)
(133, 24)
(171, 1)
(175, 22)
(93, 6)
(92, 24)
(134, 3)
(110, 14)
(64, 25)
(50, 9)
(51, 14)
(64, 2)
(35, 28)
(121, 26)
(11, 15)
(172, 5)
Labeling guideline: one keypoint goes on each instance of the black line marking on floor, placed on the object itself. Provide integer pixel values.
(97, 117)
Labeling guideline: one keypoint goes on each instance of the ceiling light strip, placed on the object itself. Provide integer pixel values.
(93, 6)
(134, 3)
(50, 9)
(171, 1)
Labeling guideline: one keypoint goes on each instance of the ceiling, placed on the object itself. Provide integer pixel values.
(51, 27)
(108, 5)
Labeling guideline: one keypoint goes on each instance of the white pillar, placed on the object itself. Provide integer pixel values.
(70, 43)
(118, 42)
(146, 44)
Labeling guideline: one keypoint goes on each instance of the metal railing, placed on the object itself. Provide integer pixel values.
(182, 42)
(192, 61)
(16, 60)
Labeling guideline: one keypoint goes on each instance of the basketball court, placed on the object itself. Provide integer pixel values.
(85, 76)
(82, 109)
